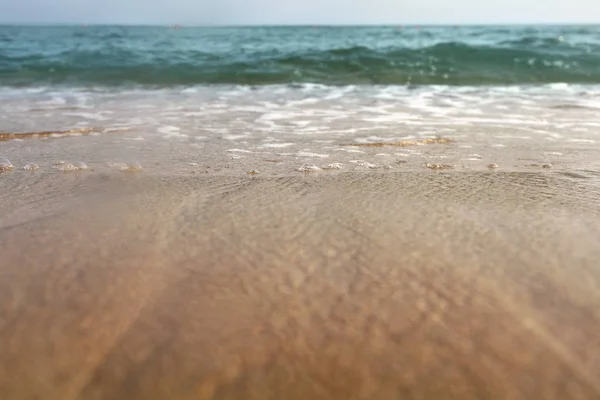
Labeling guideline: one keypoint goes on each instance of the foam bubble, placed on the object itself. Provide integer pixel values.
(365, 164)
(5, 165)
(30, 167)
(81, 166)
(333, 166)
(308, 168)
(127, 167)
(67, 167)
(132, 167)
(437, 166)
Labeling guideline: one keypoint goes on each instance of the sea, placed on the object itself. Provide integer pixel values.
(301, 94)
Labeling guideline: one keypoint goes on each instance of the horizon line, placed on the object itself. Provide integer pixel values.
(284, 25)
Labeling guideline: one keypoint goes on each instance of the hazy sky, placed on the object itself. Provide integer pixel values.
(226, 12)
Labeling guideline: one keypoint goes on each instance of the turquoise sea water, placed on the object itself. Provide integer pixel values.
(409, 55)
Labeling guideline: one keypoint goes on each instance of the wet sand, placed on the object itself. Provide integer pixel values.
(397, 285)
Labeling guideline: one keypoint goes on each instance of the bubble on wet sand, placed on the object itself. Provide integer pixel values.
(492, 166)
(364, 164)
(253, 172)
(308, 168)
(5, 165)
(70, 167)
(131, 167)
(66, 167)
(545, 165)
(81, 166)
(30, 167)
(437, 166)
(333, 166)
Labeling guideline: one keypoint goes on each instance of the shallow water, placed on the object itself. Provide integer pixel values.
(277, 129)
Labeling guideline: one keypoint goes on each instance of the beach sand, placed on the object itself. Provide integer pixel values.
(414, 284)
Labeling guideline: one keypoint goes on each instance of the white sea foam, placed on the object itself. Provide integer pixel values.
(317, 119)
(311, 154)
(349, 150)
(235, 137)
(30, 167)
(333, 166)
(171, 132)
(276, 145)
(308, 168)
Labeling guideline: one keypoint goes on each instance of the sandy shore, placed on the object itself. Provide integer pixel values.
(396, 285)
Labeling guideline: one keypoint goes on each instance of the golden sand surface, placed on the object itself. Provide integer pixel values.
(404, 285)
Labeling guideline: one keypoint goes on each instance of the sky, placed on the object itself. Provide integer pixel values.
(284, 12)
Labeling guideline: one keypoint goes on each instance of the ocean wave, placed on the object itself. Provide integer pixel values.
(113, 59)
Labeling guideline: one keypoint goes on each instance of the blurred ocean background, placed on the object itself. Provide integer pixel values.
(392, 55)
